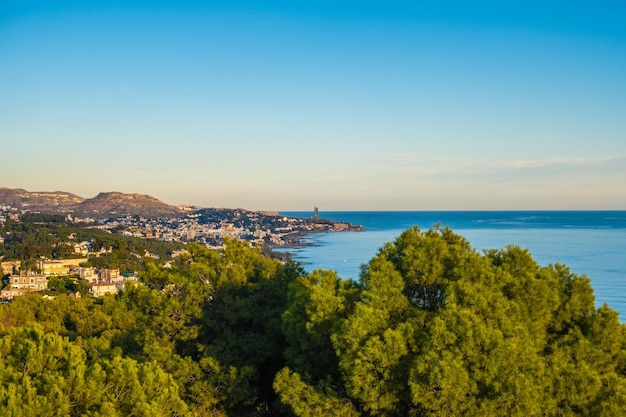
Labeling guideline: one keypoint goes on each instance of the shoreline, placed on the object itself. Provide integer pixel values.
(304, 239)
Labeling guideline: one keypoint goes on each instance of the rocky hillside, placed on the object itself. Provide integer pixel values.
(111, 204)
(47, 202)
(118, 204)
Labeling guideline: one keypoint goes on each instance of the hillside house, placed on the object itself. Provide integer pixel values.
(52, 267)
(10, 267)
(24, 283)
(58, 267)
(82, 248)
(109, 275)
(98, 289)
(88, 274)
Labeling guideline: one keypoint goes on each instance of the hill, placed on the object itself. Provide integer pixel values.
(103, 205)
(119, 204)
(44, 201)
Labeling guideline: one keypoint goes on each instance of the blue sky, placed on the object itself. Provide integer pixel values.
(345, 105)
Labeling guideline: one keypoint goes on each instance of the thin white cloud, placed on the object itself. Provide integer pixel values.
(554, 161)
(415, 167)
(410, 159)
(423, 160)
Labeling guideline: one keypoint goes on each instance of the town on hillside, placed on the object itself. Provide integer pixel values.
(211, 227)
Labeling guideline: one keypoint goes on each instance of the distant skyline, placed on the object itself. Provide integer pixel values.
(283, 105)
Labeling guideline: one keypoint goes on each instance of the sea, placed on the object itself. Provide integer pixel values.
(591, 243)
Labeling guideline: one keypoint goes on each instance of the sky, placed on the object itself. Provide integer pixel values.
(346, 105)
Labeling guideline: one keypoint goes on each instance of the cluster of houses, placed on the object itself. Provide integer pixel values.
(101, 281)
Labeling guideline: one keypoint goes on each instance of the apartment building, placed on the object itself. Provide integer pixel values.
(23, 283)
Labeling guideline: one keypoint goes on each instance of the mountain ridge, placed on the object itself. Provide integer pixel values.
(104, 204)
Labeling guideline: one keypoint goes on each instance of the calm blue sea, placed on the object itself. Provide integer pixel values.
(592, 243)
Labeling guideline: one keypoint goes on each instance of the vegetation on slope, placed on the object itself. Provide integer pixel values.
(433, 328)
(50, 236)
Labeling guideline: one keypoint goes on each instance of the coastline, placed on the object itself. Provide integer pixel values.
(304, 239)
(588, 242)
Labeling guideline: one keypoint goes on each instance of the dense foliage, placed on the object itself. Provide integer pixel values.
(50, 236)
(433, 328)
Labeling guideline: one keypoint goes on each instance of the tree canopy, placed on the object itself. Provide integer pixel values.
(432, 328)
(438, 329)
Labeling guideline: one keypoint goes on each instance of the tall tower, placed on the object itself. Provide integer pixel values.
(315, 212)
